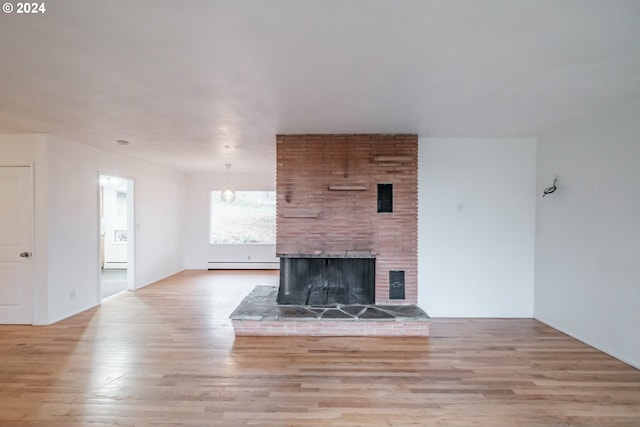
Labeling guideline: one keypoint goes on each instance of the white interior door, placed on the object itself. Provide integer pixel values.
(16, 280)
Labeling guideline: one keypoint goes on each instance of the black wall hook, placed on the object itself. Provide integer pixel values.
(551, 189)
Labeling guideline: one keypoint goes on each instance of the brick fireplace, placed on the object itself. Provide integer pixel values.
(343, 200)
(328, 202)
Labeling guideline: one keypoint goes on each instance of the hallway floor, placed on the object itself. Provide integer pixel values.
(112, 281)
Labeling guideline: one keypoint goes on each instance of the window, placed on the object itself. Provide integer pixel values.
(250, 218)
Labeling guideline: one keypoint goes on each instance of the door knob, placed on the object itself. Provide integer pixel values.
(25, 254)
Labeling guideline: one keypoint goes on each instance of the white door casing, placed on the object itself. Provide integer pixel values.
(16, 240)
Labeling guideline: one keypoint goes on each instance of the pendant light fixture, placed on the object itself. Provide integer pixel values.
(228, 195)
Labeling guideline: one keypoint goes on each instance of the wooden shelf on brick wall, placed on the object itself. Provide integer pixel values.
(347, 188)
(300, 214)
(395, 159)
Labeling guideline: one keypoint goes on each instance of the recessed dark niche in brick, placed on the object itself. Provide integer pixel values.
(396, 284)
(385, 197)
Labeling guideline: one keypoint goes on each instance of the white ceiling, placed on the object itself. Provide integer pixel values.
(196, 84)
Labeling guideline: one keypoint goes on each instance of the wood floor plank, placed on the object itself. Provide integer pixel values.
(166, 355)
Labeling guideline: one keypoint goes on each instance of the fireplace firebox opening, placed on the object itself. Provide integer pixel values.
(321, 281)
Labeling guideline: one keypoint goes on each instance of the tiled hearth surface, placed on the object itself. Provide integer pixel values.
(258, 314)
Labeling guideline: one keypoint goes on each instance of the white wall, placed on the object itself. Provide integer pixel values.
(66, 254)
(588, 233)
(74, 226)
(199, 253)
(476, 226)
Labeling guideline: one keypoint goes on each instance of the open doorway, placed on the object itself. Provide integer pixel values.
(116, 235)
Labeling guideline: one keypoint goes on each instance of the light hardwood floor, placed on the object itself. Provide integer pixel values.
(166, 355)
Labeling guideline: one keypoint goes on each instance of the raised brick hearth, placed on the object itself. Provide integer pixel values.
(258, 314)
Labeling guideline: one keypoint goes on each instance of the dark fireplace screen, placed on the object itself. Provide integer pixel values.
(326, 281)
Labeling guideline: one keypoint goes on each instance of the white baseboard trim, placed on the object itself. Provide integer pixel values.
(117, 265)
(65, 316)
(589, 342)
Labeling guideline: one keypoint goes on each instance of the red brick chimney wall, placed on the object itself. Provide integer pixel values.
(327, 201)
